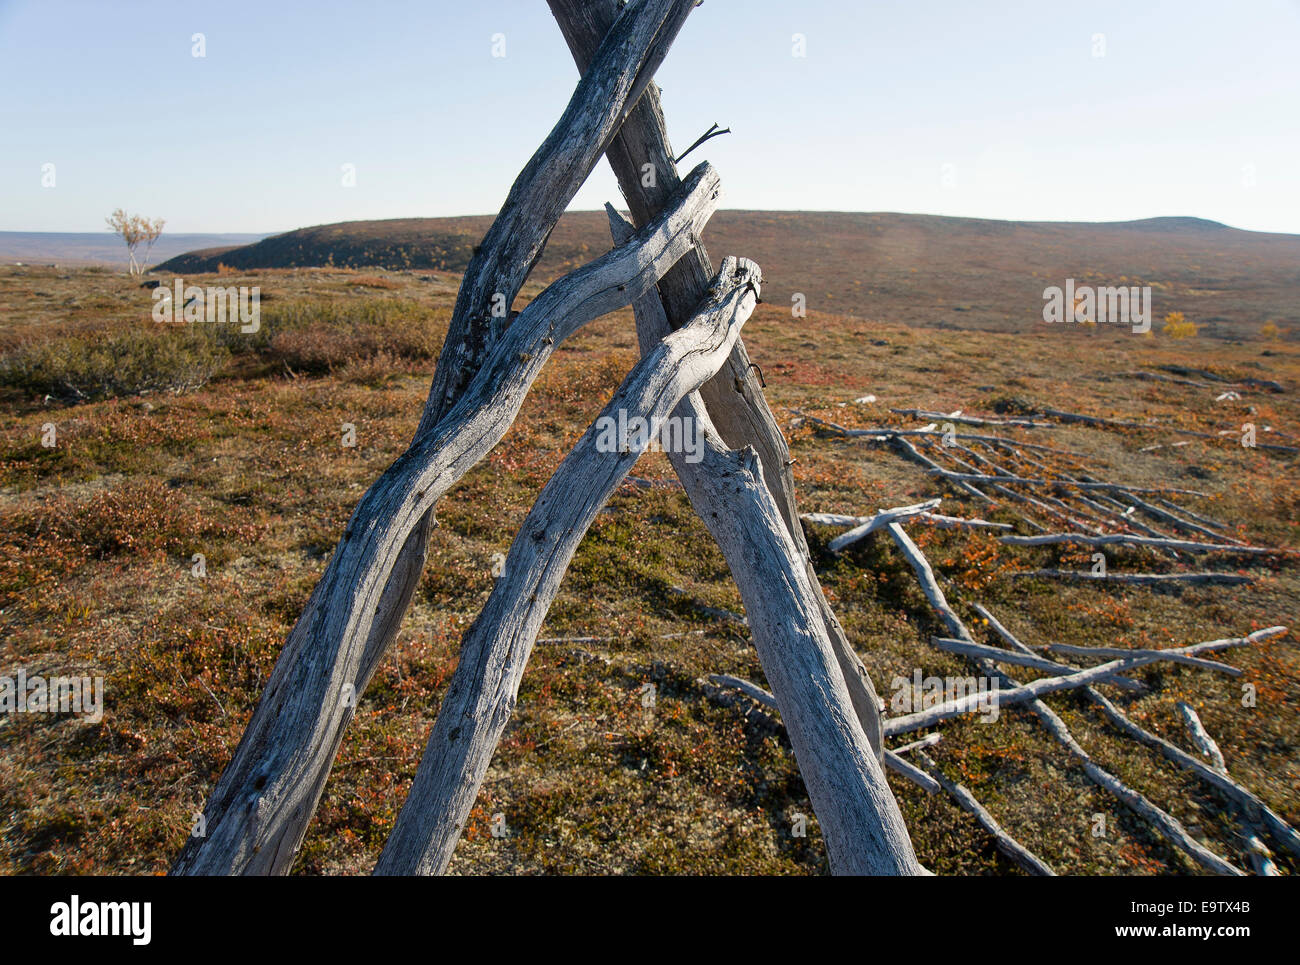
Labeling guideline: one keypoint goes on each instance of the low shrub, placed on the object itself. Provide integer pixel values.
(100, 364)
(319, 335)
(103, 358)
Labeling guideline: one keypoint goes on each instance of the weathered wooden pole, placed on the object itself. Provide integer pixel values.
(258, 813)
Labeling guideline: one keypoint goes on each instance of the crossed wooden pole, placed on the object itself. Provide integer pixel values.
(694, 366)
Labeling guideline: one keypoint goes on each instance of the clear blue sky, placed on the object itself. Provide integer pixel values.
(988, 109)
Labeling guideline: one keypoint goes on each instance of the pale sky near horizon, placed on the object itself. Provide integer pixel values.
(996, 110)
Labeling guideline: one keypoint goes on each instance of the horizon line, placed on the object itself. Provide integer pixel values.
(918, 214)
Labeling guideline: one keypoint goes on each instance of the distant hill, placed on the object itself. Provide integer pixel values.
(918, 269)
(102, 247)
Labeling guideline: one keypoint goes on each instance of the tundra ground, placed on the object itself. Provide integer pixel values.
(247, 467)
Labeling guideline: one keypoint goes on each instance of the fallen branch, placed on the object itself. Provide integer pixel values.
(1268, 384)
(893, 760)
(929, 740)
(1098, 420)
(1061, 510)
(1122, 514)
(716, 613)
(878, 521)
(906, 769)
(1165, 823)
(1259, 857)
(1201, 738)
(1214, 377)
(1157, 513)
(1031, 660)
(1248, 801)
(970, 420)
(1231, 790)
(885, 433)
(934, 781)
(1073, 484)
(1187, 512)
(1188, 546)
(957, 522)
(1013, 444)
(833, 519)
(745, 687)
(911, 452)
(935, 519)
(974, 703)
(1141, 579)
(1008, 845)
(1156, 377)
(1121, 652)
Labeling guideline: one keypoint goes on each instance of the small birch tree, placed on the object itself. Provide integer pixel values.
(135, 231)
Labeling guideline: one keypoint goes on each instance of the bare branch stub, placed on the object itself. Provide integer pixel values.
(712, 132)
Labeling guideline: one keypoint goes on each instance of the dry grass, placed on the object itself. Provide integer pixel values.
(99, 533)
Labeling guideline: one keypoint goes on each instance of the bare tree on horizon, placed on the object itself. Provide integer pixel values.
(135, 230)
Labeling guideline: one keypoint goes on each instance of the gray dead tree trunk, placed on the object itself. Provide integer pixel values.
(733, 398)
(860, 820)
(258, 813)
